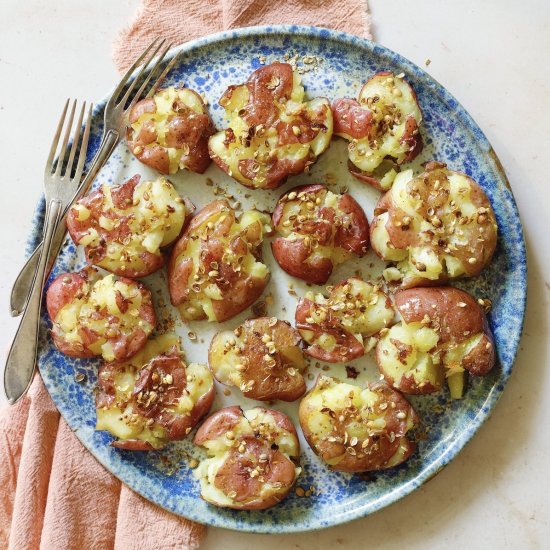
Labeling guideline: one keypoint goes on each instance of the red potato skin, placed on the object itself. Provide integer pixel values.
(181, 130)
(241, 292)
(60, 293)
(218, 424)
(261, 108)
(351, 119)
(292, 256)
(369, 179)
(375, 459)
(177, 426)
(440, 304)
(132, 445)
(412, 138)
(233, 474)
(403, 239)
(279, 170)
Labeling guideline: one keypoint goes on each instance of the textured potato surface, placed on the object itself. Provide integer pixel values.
(273, 132)
(443, 334)
(252, 458)
(356, 429)
(436, 226)
(382, 124)
(124, 228)
(215, 271)
(341, 326)
(262, 357)
(154, 397)
(96, 315)
(169, 131)
(318, 229)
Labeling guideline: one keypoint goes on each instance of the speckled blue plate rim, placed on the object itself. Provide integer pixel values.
(514, 225)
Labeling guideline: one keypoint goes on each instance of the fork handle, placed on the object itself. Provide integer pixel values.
(21, 287)
(21, 359)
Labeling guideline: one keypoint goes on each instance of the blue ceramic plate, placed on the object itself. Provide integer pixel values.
(343, 63)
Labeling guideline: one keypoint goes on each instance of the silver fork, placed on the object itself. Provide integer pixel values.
(115, 119)
(60, 184)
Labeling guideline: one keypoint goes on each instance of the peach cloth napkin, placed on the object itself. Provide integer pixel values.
(54, 494)
(183, 20)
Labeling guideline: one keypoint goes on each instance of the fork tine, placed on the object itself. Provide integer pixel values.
(138, 76)
(151, 74)
(167, 69)
(84, 145)
(76, 139)
(55, 142)
(129, 72)
(63, 150)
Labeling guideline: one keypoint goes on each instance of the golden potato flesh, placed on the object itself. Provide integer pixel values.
(124, 228)
(252, 458)
(273, 132)
(382, 124)
(262, 357)
(356, 429)
(215, 271)
(169, 131)
(105, 316)
(341, 326)
(443, 334)
(154, 397)
(435, 227)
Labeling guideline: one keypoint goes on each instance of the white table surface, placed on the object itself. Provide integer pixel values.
(493, 56)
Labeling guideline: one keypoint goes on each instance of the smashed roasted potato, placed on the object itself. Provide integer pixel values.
(262, 357)
(435, 227)
(154, 397)
(253, 458)
(169, 131)
(342, 325)
(356, 429)
(96, 315)
(123, 228)
(273, 132)
(443, 334)
(382, 127)
(215, 271)
(319, 229)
